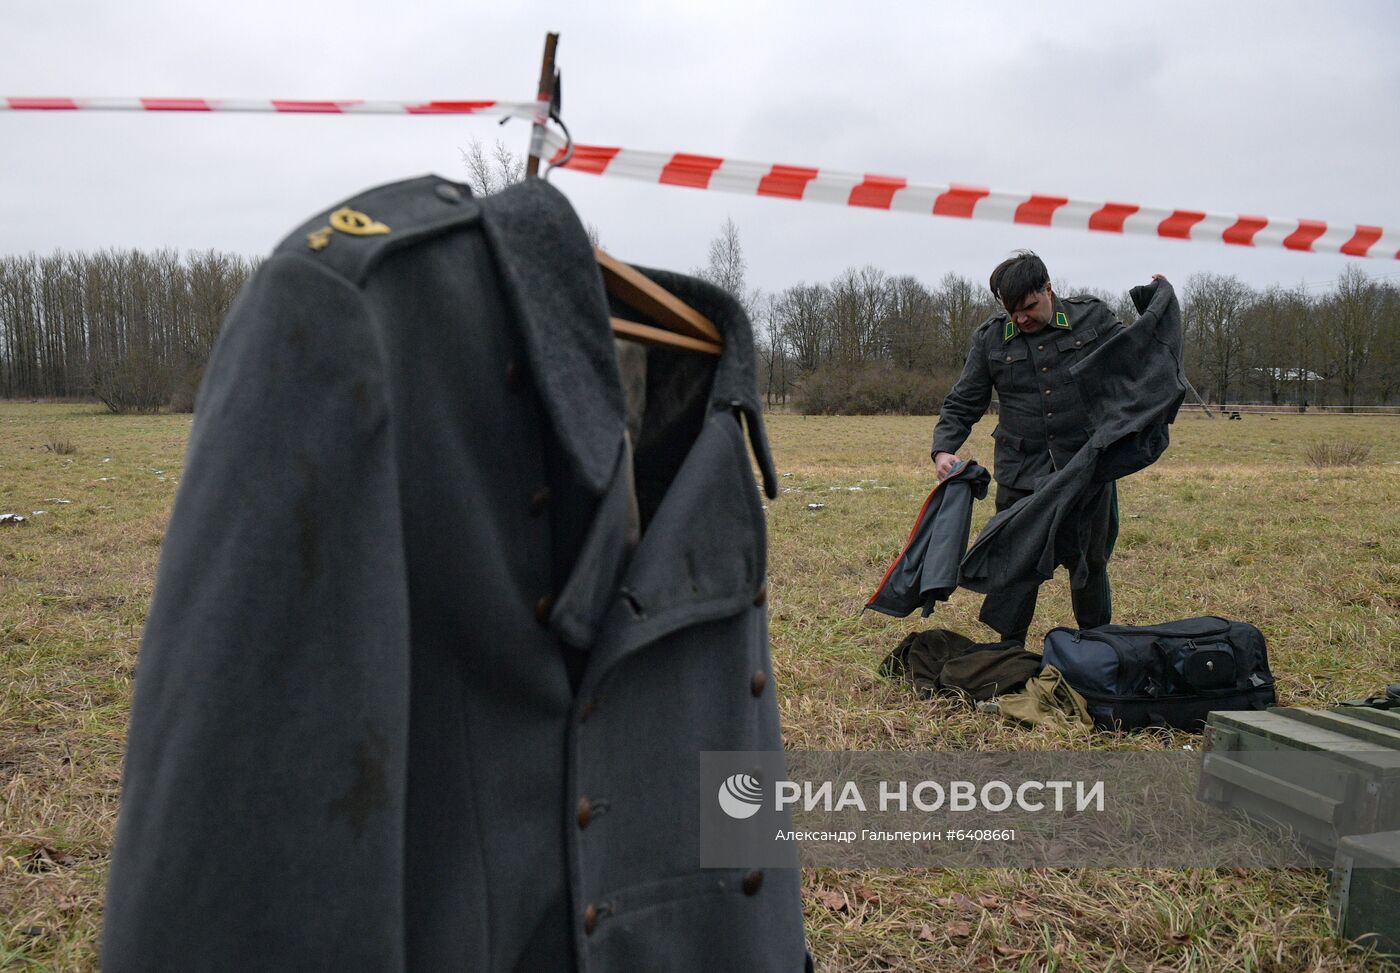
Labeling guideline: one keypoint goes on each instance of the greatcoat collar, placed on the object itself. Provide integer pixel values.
(702, 555)
(546, 261)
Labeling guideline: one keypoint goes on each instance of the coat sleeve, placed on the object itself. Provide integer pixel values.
(261, 817)
(967, 401)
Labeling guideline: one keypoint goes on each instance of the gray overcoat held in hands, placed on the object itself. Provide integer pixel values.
(925, 571)
(426, 679)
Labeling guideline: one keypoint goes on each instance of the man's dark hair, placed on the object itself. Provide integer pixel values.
(1018, 276)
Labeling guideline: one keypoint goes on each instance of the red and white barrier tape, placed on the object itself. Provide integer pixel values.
(510, 109)
(823, 185)
(976, 202)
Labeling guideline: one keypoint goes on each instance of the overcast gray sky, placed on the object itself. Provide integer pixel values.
(1286, 109)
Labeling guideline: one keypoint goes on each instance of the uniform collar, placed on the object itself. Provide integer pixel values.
(544, 258)
(546, 265)
(1061, 321)
(734, 387)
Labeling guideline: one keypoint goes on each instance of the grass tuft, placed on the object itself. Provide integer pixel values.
(62, 447)
(1343, 453)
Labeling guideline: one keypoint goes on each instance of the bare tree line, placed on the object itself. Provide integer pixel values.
(1280, 345)
(870, 341)
(130, 328)
(134, 330)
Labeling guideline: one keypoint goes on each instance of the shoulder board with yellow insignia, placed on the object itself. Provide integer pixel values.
(353, 236)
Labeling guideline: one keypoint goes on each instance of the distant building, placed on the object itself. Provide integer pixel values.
(1291, 374)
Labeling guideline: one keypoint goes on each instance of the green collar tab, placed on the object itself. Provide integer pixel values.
(1011, 331)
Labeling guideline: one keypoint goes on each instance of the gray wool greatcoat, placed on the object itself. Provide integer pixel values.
(413, 694)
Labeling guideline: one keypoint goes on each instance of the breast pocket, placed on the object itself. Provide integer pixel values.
(1010, 370)
(1078, 341)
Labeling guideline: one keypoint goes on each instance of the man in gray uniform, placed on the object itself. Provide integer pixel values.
(1025, 354)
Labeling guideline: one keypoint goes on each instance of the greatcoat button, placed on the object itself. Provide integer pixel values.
(1052, 435)
(762, 596)
(1049, 414)
(1045, 368)
(1078, 343)
(753, 881)
(758, 682)
(1040, 348)
(538, 501)
(590, 918)
(1047, 391)
(585, 812)
(448, 193)
(543, 607)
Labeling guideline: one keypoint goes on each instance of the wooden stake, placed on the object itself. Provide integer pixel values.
(1199, 399)
(546, 95)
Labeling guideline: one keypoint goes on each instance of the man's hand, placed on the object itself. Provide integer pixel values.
(944, 463)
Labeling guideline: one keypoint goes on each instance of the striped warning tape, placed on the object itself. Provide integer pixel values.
(824, 185)
(511, 109)
(977, 202)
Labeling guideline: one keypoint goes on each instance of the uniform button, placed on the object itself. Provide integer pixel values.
(1078, 343)
(448, 193)
(515, 374)
(1052, 436)
(759, 680)
(1049, 414)
(585, 812)
(762, 597)
(1047, 391)
(590, 918)
(543, 607)
(1040, 348)
(753, 881)
(1045, 368)
(538, 501)
(1008, 357)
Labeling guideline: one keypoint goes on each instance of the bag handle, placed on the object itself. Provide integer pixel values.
(1176, 679)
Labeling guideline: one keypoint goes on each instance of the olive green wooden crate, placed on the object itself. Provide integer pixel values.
(1369, 714)
(1348, 784)
(1364, 893)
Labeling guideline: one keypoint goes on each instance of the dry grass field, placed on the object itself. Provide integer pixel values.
(1234, 521)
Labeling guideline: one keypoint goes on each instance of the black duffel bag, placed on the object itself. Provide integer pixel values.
(1172, 674)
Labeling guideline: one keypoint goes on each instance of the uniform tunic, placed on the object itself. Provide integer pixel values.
(1042, 419)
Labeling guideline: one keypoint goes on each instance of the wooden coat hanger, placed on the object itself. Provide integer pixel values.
(681, 326)
(677, 324)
